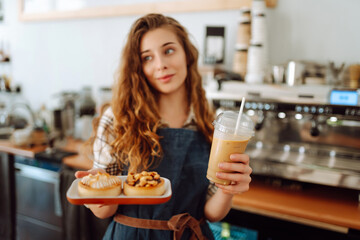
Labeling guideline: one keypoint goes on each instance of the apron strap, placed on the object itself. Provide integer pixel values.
(178, 223)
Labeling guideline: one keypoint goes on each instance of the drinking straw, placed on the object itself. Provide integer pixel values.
(239, 116)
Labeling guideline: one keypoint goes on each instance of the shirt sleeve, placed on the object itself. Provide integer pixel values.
(102, 150)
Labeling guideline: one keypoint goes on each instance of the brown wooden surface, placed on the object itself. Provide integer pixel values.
(79, 161)
(76, 161)
(7, 147)
(324, 207)
(134, 9)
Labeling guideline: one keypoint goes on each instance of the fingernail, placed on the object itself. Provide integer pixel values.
(220, 165)
(218, 174)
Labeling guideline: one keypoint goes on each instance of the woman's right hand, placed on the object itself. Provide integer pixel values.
(99, 210)
(93, 171)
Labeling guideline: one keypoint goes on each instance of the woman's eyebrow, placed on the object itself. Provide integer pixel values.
(145, 51)
(167, 43)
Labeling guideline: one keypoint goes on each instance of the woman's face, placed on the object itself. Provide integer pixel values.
(163, 61)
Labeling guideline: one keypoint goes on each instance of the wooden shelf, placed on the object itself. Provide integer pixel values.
(135, 9)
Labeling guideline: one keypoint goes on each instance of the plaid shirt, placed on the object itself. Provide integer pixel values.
(103, 158)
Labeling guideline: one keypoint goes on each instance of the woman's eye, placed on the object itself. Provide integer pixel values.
(146, 58)
(168, 51)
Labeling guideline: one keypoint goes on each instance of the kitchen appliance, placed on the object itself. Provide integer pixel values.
(38, 208)
(334, 74)
(309, 134)
(278, 74)
(15, 113)
(295, 73)
(85, 114)
(64, 114)
(306, 72)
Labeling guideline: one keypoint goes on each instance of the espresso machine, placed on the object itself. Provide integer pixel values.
(306, 134)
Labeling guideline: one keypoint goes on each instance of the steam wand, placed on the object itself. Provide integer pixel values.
(314, 131)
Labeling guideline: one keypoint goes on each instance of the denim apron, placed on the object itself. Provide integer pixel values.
(184, 163)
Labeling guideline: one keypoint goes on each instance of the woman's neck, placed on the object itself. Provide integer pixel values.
(174, 108)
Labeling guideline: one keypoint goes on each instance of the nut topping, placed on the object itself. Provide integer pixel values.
(143, 179)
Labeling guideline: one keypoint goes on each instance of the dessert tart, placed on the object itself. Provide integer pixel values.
(100, 184)
(144, 184)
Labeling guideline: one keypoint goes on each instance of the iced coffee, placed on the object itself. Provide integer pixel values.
(227, 141)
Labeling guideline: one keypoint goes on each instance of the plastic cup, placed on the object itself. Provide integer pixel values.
(226, 141)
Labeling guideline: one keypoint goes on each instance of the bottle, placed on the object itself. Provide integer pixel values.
(86, 113)
(87, 103)
(225, 231)
(44, 119)
(68, 113)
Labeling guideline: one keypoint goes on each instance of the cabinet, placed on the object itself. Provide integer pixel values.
(38, 208)
(272, 228)
(7, 205)
(294, 210)
(30, 203)
(33, 202)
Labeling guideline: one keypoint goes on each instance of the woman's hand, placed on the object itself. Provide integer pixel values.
(239, 174)
(102, 211)
(93, 171)
(219, 204)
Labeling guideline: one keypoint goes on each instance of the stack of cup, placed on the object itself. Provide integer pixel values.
(255, 65)
(240, 61)
(242, 42)
(258, 7)
(354, 76)
(257, 53)
(244, 29)
(258, 30)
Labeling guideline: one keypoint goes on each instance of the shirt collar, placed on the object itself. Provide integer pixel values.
(190, 121)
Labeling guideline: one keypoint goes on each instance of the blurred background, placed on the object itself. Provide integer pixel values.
(66, 54)
(297, 62)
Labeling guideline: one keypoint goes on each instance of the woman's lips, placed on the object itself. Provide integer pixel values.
(166, 78)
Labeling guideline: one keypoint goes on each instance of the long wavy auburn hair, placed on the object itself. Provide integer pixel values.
(134, 101)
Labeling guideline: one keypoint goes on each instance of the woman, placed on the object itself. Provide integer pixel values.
(160, 120)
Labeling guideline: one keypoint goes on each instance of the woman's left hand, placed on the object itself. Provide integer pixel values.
(239, 174)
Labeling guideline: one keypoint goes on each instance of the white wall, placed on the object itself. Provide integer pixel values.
(319, 30)
(52, 56)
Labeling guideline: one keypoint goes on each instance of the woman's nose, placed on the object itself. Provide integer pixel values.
(160, 63)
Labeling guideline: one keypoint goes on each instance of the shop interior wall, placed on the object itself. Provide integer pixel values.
(48, 57)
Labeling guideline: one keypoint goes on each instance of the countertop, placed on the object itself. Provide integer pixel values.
(79, 161)
(320, 207)
(7, 147)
